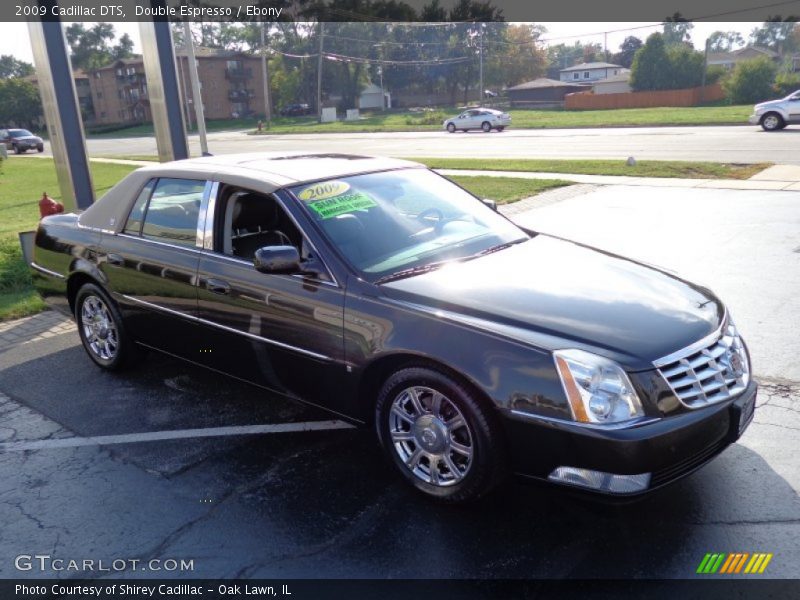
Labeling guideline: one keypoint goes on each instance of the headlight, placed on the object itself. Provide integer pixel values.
(597, 388)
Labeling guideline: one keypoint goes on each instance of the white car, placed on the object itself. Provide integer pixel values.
(777, 114)
(478, 118)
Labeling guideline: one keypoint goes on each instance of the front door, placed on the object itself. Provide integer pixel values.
(280, 331)
(794, 108)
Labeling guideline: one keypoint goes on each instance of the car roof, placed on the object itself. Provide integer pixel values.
(283, 168)
(262, 172)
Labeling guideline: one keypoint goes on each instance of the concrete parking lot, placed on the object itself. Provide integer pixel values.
(325, 504)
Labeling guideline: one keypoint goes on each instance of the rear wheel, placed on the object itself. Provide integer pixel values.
(451, 128)
(501, 128)
(486, 127)
(439, 435)
(102, 330)
(772, 122)
(17, 149)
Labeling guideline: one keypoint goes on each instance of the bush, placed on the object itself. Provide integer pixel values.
(658, 66)
(427, 118)
(715, 74)
(786, 83)
(751, 81)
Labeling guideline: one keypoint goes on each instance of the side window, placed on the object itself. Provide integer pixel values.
(133, 225)
(173, 211)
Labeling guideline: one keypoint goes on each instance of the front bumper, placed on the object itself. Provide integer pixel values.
(669, 448)
(754, 119)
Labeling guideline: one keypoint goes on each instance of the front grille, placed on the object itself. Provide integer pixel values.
(708, 372)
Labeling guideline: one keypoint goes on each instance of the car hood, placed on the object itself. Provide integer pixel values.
(553, 294)
(770, 104)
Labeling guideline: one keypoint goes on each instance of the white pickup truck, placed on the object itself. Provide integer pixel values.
(777, 114)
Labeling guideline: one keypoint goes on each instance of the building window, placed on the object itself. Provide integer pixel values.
(119, 72)
(99, 94)
(615, 71)
(576, 76)
(586, 74)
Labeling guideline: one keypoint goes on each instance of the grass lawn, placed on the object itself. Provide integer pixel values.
(643, 168)
(524, 119)
(505, 190)
(22, 181)
(146, 129)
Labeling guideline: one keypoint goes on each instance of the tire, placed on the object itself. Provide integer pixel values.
(40, 148)
(426, 419)
(486, 127)
(17, 149)
(451, 128)
(501, 128)
(772, 122)
(95, 313)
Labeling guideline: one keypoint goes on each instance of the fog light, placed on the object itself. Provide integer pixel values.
(600, 481)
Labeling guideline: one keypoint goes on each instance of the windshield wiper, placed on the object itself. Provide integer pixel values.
(498, 247)
(411, 271)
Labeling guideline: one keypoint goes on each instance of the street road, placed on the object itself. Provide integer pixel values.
(735, 144)
(325, 503)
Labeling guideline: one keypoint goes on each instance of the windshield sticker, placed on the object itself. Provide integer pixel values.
(333, 207)
(322, 190)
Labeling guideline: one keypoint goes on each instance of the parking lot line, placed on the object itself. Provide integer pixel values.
(178, 434)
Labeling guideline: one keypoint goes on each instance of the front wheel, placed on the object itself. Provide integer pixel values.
(102, 331)
(17, 149)
(40, 148)
(486, 127)
(501, 128)
(772, 122)
(439, 435)
(451, 128)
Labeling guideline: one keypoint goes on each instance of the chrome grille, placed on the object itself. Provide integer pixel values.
(709, 371)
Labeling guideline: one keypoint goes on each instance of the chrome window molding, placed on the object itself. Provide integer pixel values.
(242, 261)
(41, 269)
(228, 329)
(160, 243)
(201, 229)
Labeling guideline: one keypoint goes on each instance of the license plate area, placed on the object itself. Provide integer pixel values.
(747, 410)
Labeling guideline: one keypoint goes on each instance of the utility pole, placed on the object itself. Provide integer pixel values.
(605, 45)
(199, 113)
(265, 77)
(380, 72)
(480, 41)
(705, 68)
(319, 71)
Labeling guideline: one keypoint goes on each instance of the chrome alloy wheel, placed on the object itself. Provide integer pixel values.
(431, 436)
(99, 328)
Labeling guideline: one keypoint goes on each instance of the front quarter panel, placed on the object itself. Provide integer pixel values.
(512, 376)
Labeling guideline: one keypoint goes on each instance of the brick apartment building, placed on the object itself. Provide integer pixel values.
(232, 86)
(83, 90)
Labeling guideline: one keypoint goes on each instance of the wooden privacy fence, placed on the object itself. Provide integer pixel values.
(687, 97)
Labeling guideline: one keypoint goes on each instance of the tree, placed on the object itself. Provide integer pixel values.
(19, 103)
(91, 48)
(724, 41)
(751, 81)
(11, 67)
(649, 65)
(777, 34)
(627, 50)
(657, 66)
(677, 30)
(521, 60)
(561, 56)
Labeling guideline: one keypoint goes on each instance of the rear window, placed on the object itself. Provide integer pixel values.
(173, 211)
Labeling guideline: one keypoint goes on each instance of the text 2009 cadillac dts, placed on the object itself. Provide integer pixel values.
(392, 297)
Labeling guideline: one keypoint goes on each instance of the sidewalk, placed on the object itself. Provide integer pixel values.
(776, 178)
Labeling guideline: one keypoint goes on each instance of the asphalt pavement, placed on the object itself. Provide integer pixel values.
(326, 504)
(734, 144)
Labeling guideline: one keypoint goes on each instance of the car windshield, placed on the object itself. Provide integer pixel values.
(18, 133)
(397, 223)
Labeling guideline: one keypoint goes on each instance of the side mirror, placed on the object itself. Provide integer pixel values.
(490, 203)
(277, 259)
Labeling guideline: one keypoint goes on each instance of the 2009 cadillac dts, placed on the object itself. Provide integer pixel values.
(386, 294)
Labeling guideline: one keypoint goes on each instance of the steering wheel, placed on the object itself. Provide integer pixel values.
(425, 217)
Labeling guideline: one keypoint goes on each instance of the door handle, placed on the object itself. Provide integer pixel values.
(217, 286)
(115, 259)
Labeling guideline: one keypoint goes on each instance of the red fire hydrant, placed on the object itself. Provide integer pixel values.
(48, 206)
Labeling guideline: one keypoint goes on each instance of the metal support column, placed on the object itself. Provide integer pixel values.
(163, 90)
(61, 111)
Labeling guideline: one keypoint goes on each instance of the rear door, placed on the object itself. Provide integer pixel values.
(152, 264)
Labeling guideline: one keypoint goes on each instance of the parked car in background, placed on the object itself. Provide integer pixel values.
(385, 293)
(777, 114)
(296, 110)
(485, 119)
(21, 140)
